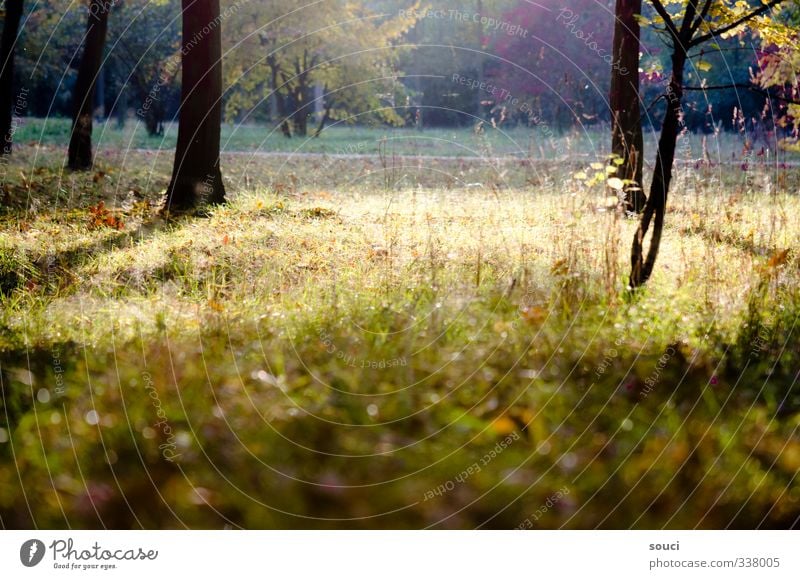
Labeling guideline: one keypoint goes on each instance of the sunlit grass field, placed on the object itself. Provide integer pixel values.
(390, 342)
(540, 143)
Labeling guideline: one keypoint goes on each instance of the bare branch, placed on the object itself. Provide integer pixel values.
(746, 86)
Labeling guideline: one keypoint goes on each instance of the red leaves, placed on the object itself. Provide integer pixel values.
(100, 217)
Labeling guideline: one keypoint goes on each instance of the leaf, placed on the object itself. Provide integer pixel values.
(560, 267)
(504, 425)
(580, 176)
(534, 315)
(778, 259)
(703, 65)
(615, 183)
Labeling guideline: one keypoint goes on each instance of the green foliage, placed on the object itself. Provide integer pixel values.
(282, 53)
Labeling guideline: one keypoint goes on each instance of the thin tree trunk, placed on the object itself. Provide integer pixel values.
(196, 175)
(321, 126)
(626, 131)
(480, 58)
(80, 143)
(416, 32)
(7, 50)
(641, 266)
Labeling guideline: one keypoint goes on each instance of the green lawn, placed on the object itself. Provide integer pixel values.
(366, 344)
(543, 143)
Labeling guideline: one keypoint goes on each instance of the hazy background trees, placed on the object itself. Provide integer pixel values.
(356, 62)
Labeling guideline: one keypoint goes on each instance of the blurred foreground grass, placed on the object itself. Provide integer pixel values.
(364, 345)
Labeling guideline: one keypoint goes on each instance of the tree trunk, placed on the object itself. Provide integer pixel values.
(7, 50)
(80, 143)
(278, 98)
(626, 131)
(481, 63)
(196, 175)
(321, 126)
(641, 267)
(300, 104)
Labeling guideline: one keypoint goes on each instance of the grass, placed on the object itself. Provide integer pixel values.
(409, 343)
(543, 143)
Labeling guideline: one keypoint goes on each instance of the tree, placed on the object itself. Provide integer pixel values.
(7, 54)
(80, 143)
(777, 74)
(196, 176)
(626, 121)
(716, 18)
(337, 58)
(556, 61)
(146, 59)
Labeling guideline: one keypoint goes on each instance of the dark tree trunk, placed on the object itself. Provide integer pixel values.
(301, 121)
(626, 131)
(154, 119)
(7, 50)
(80, 143)
(326, 116)
(641, 266)
(196, 175)
(301, 103)
(278, 98)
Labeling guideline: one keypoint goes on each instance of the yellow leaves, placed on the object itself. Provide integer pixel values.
(599, 172)
(703, 65)
(790, 457)
(616, 183)
(503, 425)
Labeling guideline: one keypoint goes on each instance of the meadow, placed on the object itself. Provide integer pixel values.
(395, 340)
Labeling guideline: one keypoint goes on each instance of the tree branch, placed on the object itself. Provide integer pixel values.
(728, 27)
(673, 30)
(703, 14)
(750, 87)
(688, 20)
